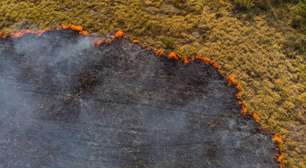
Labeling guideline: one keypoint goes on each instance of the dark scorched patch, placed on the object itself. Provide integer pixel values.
(65, 103)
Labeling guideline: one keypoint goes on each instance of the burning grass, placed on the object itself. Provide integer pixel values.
(252, 49)
(171, 64)
(88, 81)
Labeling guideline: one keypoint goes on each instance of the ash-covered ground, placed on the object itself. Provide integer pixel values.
(65, 103)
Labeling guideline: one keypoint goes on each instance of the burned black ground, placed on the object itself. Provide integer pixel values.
(65, 103)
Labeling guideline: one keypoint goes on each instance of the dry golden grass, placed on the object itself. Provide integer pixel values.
(256, 52)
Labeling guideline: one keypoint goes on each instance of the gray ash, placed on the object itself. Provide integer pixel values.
(65, 103)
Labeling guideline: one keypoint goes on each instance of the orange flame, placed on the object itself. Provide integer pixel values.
(40, 32)
(77, 28)
(231, 79)
(65, 26)
(280, 159)
(239, 96)
(208, 61)
(73, 27)
(119, 34)
(280, 156)
(203, 59)
(186, 60)
(277, 139)
(239, 87)
(256, 117)
(27, 31)
(244, 109)
(215, 65)
(173, 56)
(20, 33)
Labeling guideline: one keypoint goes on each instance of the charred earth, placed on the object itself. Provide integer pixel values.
(66, 103)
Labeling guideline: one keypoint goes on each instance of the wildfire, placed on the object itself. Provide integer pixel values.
(27, 31)
(239, 87)
(215, 65)
(20, 33)
(280, 159)
(231, 79)
(203, 59)
(244, 109)
(256, 117)
(186, 60)
(77, 28)
(119, 34)
(277, 139)
(239, 96)
(173, 56)
(73, 27)
(208, 61)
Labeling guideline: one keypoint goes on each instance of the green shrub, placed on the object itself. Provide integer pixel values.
(244, 4)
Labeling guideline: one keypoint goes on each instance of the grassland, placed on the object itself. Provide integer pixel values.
(257, 45)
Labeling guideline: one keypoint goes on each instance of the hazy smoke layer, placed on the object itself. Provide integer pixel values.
(65, 103)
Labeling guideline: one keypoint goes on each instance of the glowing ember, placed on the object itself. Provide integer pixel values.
(215, 65)
(173, 56)
(231, 79)
(203, 59)
(89, 80)
(239, 87)
(239, 96)
(119, 34)
(77, 28)
(186, 60)
(244, 109)
(280, 158)
(277, 139)
(256, 117)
